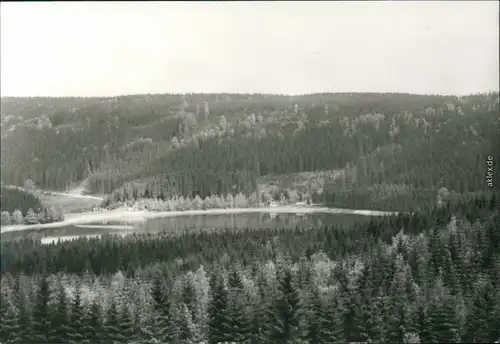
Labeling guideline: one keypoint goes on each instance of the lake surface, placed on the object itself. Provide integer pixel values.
(176, 223)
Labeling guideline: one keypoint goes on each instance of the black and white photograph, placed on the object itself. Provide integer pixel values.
(250, 172)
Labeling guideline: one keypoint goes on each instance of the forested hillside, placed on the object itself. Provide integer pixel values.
(19, 206)
(13, 199)
(423, 278)
(360, 149)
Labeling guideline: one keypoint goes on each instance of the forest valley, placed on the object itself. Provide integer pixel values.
(366, 151)
(422, 278)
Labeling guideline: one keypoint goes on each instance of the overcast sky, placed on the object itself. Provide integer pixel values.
(113, 48)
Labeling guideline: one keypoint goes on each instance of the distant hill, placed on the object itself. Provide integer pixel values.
(203, 144)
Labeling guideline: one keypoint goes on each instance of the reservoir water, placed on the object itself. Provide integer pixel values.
(177, 223)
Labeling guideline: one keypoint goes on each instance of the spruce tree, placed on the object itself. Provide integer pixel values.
(42, 314)
(162, 317)
(495, 314)
(304, 273)
(218, 317)
(126, 326)
(61, 331)
(188, 295)
(350, 316)
(185, 329)
(157, 294)
(444, 326)
(398, 323)
(93, 324)
(238, 325)
(313, 317)
(331, 329)
(259, 315)
(370, 321)
(111, 326)
(424, 323)
(77, 332)
(285, 325)
(25, 319)
(481, 326)
(9, 322)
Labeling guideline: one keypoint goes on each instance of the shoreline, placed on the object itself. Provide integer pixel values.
(142, 215)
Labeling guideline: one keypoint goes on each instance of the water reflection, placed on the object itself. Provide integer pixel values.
(177, 223)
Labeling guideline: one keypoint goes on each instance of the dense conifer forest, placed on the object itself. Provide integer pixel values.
(21, 207)
(12, 199)
(422, 278)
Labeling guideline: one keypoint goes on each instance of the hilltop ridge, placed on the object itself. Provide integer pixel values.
(204, 144)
